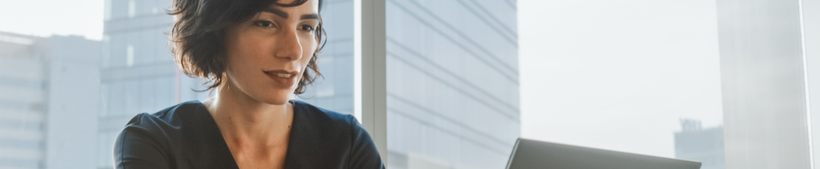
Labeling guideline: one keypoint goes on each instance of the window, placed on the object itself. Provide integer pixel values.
(709, 81)
(451, 83)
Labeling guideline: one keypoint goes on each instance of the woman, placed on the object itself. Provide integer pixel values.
(257, 53)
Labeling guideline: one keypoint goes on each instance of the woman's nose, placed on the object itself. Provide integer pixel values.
(289, 46)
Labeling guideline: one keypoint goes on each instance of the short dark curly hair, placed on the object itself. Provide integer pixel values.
(198, 36)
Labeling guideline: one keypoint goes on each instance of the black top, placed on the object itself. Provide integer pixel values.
(185, 136)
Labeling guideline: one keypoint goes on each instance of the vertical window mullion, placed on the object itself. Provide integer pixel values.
(370, 86)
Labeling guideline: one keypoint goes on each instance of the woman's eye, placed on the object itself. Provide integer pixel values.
(263, 24)
(307, 28)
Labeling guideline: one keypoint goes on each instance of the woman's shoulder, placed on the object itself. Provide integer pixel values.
(166, 123)
(163, 138)
(169, 117)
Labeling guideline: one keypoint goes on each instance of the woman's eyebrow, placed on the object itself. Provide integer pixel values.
(309, 16)
(276, 11)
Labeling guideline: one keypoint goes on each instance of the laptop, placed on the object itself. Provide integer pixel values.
(531, 154)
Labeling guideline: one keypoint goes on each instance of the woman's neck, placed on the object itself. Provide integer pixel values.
(247, 122)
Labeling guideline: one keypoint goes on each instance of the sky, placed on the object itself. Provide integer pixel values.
(607, 74)
(620, 74)
(53, 17)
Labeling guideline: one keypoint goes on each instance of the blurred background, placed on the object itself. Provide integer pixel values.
(729, 83)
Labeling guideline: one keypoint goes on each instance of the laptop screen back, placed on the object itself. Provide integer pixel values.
(531, 154)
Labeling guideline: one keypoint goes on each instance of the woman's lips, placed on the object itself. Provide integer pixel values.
(282, 78)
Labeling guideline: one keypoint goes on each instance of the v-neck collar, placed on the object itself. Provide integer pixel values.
(222, 149)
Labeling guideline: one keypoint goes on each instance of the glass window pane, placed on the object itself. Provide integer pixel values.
(640, 76)
(452, 83)
(699, 80)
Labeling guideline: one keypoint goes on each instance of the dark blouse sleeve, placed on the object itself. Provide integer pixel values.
(135, 148)
(364, 154)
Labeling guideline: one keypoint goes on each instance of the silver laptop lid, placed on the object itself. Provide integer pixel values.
(531, 154)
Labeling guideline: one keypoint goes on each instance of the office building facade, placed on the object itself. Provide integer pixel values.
(23, 103)
(763, 84)
(452, 83)
(48, 104)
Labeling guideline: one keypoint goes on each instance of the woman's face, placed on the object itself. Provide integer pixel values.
(267, 55)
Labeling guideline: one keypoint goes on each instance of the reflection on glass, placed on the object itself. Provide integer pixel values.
(452, 83)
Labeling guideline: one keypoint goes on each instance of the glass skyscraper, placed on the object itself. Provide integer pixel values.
(763, 74)
(452, 83)
(764, 92)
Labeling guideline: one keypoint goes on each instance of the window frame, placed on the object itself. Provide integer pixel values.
(370, 73)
